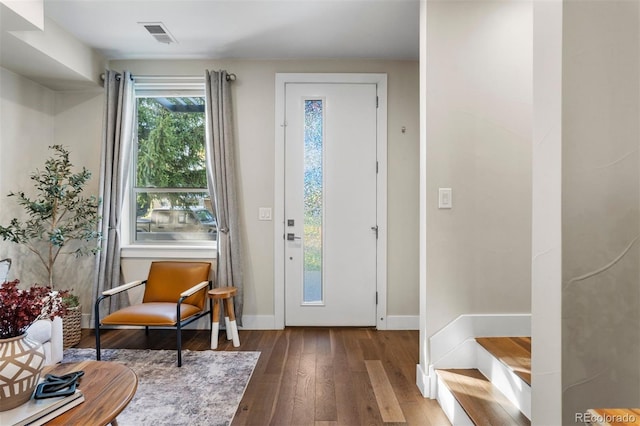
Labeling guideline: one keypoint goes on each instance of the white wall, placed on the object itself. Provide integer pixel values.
(32, 118)
(600, 206)
(478, 142)
(78, 125)
(26, 129)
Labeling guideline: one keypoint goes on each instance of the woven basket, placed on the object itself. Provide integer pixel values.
(71, 327)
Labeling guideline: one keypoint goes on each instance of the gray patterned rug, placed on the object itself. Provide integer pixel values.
(206, 390)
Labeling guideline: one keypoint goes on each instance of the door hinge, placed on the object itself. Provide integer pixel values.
(376, 297)
(376, 102)
(376, 167)
(375, 228)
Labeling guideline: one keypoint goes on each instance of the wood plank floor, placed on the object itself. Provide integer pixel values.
(314, 376)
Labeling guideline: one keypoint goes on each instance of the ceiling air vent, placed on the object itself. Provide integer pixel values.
(158, 31)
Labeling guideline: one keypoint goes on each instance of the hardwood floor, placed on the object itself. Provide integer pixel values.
(314, 376)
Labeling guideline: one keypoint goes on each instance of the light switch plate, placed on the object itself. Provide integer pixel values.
(445, 198)
(264, 213)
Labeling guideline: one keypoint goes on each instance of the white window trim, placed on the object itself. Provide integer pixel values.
(158, 251)
(149, 86)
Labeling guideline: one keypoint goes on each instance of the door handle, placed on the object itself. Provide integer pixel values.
(291, 237)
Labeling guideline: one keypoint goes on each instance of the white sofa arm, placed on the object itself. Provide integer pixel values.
(49, 334)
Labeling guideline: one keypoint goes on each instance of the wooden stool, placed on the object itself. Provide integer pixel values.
(224, 294)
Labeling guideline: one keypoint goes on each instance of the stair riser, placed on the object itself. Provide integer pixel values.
(450, 405)
(502, 377)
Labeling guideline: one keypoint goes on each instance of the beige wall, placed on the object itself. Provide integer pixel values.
(478, 142)
(600, 206)
(31, 119)
(254, 105)
(74, 118)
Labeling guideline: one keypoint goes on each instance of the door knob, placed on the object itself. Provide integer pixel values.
(291, 237)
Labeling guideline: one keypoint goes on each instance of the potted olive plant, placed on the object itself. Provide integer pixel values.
(59, 220)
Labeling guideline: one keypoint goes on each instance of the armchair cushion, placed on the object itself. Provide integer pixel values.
(167, 280)
(152, 313)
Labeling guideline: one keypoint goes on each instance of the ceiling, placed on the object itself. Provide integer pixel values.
(244, 28)
(63, 44)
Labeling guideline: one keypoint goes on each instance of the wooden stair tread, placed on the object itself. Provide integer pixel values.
(615, 416)
(514, 352)
(484, 404)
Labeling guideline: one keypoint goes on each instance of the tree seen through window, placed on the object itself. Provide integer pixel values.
(170, 177)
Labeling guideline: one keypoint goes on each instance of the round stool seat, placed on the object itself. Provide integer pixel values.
(223, 292)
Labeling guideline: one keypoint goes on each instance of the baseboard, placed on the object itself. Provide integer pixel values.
(403, 322)
(462, 356)
(423, 381)
(249, 322)
(465, 328)
(258, 322)
(85, 321)
(268, 322)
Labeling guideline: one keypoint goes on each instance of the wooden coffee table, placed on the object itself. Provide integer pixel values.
(107, 387)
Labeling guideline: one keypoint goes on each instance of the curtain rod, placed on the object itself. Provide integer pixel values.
(230, 77)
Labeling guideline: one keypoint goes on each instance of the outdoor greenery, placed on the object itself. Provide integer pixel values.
(170, 152)
(60, 220)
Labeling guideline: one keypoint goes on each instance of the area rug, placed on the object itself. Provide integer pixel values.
(206, 390)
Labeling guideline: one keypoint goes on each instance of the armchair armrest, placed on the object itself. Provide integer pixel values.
(122, 288)
(194, 289)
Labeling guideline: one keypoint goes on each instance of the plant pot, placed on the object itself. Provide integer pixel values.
(71, 327)
(21, 361)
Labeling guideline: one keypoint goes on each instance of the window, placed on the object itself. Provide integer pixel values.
(169, 192)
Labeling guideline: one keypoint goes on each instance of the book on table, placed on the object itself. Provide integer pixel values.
(36, 412)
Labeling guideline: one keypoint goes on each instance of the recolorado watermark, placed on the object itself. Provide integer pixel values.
(595, 418)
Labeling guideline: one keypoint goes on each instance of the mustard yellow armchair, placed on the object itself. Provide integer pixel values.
(175, 295)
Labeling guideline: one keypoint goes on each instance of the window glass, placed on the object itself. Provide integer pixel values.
(170, 192)
(313, 200)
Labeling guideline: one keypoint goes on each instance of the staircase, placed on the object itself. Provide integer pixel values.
(497, 392)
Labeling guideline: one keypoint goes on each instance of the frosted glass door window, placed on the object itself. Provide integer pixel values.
(313, 200)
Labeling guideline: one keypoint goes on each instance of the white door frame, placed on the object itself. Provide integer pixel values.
(278, 208)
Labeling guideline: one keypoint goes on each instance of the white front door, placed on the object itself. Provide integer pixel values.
(330, 204)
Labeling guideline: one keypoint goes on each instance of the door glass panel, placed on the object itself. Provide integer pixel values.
(313, 188)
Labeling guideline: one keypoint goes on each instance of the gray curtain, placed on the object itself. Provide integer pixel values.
(117, 138)
(222, 182)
